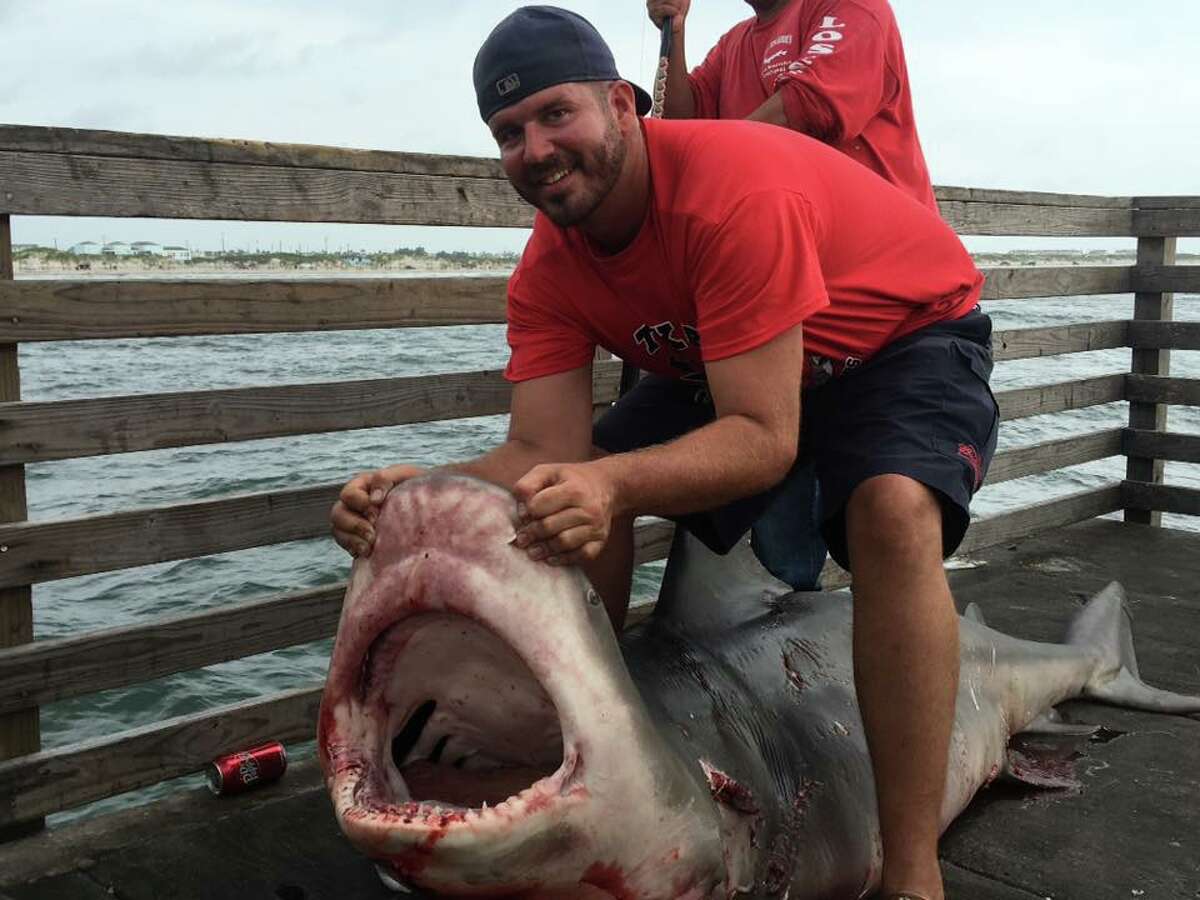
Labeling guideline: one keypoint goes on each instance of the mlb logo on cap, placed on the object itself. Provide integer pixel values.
(508, 84)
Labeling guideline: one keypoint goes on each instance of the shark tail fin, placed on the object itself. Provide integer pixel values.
(1102, 628)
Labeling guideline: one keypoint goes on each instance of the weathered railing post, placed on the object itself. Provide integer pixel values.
(20, 732)
(1154, 306)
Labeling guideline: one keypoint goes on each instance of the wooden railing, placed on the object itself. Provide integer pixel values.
(63, 172)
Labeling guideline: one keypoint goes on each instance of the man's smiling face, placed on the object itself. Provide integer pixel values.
(562, 149)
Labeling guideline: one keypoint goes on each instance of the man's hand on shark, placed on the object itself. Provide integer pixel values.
(566, 512)
(353, 516)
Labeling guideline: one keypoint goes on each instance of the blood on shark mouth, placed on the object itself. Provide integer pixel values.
(470, 734)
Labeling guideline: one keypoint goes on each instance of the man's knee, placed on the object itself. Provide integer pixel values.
(895, 515)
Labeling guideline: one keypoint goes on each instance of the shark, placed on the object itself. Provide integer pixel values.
(484, 732)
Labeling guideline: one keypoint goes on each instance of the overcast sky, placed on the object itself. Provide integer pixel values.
(1083, 96)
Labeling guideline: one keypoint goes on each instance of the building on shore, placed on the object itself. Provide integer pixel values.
(179, 254)
(146, 248)
(116, 248)
(87, 248)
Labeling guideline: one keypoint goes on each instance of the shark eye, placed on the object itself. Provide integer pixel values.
(592, 597)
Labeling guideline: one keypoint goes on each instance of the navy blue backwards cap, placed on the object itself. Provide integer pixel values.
(537, 47)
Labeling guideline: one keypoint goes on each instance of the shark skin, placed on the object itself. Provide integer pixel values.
(483, 733)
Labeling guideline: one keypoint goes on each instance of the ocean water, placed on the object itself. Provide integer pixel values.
(69, 489)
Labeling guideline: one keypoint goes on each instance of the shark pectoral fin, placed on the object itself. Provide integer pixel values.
(1045, 760)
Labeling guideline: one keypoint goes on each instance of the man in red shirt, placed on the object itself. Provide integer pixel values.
(655, 240)
(832, 69)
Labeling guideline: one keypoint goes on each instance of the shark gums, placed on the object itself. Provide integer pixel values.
(483, 732)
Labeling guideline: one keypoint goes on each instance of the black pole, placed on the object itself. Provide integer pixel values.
(629, 372)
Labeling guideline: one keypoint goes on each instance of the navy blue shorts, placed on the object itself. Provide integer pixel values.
(921, 407)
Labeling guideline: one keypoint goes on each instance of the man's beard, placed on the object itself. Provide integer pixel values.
(600, 168)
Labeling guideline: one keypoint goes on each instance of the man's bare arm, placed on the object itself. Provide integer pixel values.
(749, 447)
(678, 103)
(550, 421)
(772, 112)
(571, 507)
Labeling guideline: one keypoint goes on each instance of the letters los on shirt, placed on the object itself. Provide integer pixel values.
(823, 42)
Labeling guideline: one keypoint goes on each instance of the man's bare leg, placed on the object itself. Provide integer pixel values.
(611, 573)
(905, 668)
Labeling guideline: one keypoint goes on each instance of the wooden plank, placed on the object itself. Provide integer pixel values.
(652, 540)
(1027, 343)
(83, 841)
(78, 310)
(76, 141)
(1160, 498)
(1051, 398)
(44, 551)
(1162, 389)
(61, 668)
(79, 141)
(20, 727)
(89, 310)
(1166, 223)
(1040, 517)
(1020, 282)
(1028, 198)
(78, 428)
(66, 429)
(281, 843)
(50, 184)
(1166, 202)
(1047, 456)
(57, 669)
(1144, 335)
(1162, 445)
(1026, 220)
(1151, 278)
(91, 185)
(54, 780)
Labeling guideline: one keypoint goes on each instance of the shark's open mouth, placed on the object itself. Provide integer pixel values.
(466, 729)
(480, 734)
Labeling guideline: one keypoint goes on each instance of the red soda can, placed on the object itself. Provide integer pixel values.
(238, 772)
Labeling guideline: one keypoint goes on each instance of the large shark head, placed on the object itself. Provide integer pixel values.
(480, 734)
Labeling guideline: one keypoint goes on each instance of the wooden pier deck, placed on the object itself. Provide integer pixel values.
(1131, 832)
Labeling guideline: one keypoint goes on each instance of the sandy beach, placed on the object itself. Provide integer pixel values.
(57, 264)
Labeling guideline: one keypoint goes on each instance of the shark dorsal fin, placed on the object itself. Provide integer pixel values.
(702, 590)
